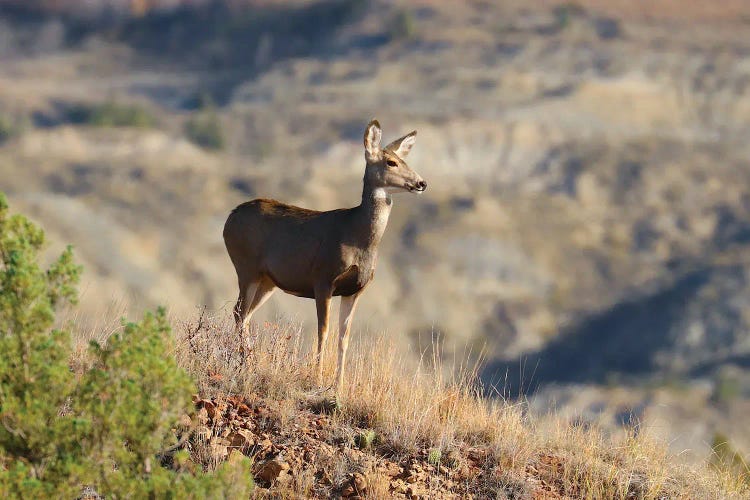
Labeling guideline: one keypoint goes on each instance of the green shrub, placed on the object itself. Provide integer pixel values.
(402, 26)
(727, 388)
(11, 126)
(565, 13)
(112, 114)
(204, 129)
(107, 430)
(35, 382)
(365, 439)
(434, 457)
(7, 130)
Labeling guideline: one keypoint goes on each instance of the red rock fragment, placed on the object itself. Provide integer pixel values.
(270, 470)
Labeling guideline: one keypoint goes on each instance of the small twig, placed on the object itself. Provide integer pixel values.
(193, 332)
(11, 430)
(179, 444)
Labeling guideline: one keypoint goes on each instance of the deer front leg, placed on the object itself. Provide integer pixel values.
(346, 313)
(323, 305)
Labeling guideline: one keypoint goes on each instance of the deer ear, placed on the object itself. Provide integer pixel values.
(373, 135)
(402, 145)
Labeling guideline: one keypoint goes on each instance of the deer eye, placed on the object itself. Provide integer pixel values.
(391, 163)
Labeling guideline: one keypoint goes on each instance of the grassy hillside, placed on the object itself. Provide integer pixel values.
(402, 429)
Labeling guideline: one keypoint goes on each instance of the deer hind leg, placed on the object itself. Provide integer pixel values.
(346, 313)
(241, 307)
(257, 293)
(323, 306)
(253, 293)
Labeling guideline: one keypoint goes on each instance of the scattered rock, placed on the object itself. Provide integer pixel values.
(242, 439)
(270, 470)
(398, 486)
(304, 447)
(210, 408)
(203, 416)
(265, 445)
(243, 410)
(348, 491)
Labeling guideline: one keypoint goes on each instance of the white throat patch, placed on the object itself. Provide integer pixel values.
(381, 212)
(382, 193)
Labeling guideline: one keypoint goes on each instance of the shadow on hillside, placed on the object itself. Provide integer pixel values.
(619, 343)
(249, 37)
(233, 44)
(711, 367)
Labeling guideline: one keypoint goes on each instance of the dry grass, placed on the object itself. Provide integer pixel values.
(413, 406)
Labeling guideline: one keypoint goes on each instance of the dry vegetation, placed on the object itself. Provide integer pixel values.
(401, 428)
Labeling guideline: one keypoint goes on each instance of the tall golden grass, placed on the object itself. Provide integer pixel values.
(422, 404)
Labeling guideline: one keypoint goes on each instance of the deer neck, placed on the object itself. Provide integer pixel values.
(373, 213)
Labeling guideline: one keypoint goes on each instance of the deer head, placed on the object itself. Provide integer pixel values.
(386, 168)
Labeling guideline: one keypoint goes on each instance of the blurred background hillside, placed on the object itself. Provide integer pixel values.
(588, 217)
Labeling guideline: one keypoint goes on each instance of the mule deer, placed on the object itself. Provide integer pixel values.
(319, 255)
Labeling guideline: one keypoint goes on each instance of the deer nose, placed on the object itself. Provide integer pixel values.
(421, 185)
